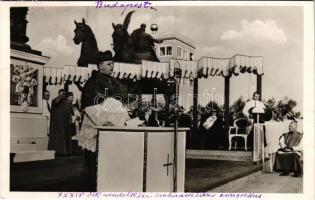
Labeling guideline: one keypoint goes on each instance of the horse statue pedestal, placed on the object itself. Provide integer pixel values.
(140, 159)
(28, 126)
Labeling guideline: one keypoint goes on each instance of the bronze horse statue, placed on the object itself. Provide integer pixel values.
(89, 49)
(135, 47)
(123, 44)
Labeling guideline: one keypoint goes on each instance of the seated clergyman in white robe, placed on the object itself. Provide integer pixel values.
(109, 113)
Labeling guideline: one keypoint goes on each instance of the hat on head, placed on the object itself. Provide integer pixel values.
(104, 56)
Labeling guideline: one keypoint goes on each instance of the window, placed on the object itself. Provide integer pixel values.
(169, 51)
(166, 51)
(179, 52)
(185, 55)
(162, 51)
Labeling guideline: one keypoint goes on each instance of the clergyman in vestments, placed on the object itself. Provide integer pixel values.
(60, 129)
(289, 157)
(100, 110)
(255, 109)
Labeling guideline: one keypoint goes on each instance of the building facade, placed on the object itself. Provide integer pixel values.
(174, 46)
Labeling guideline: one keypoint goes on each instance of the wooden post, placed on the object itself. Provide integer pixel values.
(226, 103)
(154, 100)
(195, 111)
(66, 86)
(259, 86)
(261, 133)
(45, 84)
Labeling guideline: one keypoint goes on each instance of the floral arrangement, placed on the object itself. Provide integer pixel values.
(24, 77)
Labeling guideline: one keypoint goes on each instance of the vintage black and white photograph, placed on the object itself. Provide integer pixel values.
(149, 97)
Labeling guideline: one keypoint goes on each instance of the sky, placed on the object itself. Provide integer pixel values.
(276, 33)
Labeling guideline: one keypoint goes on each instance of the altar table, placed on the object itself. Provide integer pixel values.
(140, 159)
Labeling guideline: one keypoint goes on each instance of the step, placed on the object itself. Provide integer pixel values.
(26, 156)
(28, 125)
(219, 155)
(49, 164)
(40, 142)
(233, 185)
(23, 147)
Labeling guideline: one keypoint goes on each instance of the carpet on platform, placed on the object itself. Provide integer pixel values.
(69, 174)
(204, 175)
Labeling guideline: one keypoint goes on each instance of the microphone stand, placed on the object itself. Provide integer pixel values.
(261, 131)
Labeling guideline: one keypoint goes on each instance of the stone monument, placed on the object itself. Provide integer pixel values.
(28, 125)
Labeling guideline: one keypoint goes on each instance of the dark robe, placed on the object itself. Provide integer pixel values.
(289, 161)
(96, 86)
(218, 139)
(214, 137)
(186, 122)
(153, 119)
(60, 127)
(203, 133)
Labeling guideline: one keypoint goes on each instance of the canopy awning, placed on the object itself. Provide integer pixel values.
(204, 67)
(57, 75)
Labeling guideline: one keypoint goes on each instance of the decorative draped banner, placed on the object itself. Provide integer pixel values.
(249, 64)
(204, 67)
(214, 66)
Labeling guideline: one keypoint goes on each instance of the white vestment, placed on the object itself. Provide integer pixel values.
(46, 112)
(258, 107)
(111, 110)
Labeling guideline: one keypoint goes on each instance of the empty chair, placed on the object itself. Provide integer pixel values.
(240, 128)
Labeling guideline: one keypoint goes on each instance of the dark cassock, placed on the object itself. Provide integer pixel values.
(99, 87)
(60, 126)
(218, 138)
(211, 132)
(203, 132)
(289, 156)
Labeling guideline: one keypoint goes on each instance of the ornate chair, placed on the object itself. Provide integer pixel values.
(240, 128)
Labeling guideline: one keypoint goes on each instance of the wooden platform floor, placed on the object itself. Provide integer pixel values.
(263, 183)
(204, 175)
(69, 174)
(220, 155)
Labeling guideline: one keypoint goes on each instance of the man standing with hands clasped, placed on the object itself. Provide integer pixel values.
(59, 130)
(253, 109)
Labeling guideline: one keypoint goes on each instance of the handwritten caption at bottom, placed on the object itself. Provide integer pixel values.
(140, 195)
